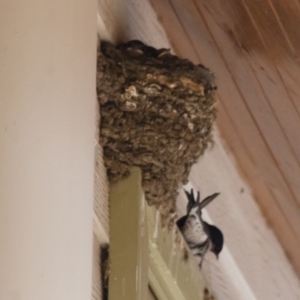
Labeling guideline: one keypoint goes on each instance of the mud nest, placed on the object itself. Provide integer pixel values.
(157, 113)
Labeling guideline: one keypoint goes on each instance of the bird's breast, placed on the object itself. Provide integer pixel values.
(193, 231)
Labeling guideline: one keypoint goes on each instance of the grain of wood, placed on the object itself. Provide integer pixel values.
(287, 15)
(256, 100)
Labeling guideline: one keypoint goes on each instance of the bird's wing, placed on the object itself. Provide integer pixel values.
(191, 200)
(208, 199)
(190, 196)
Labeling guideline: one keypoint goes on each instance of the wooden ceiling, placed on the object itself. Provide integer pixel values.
(252, 46)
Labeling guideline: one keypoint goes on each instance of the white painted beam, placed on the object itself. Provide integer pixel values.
(47, 126)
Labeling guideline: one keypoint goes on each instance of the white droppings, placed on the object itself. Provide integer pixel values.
(191, 126)
(132, 92)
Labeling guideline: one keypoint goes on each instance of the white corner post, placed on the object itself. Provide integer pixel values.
(47, 129)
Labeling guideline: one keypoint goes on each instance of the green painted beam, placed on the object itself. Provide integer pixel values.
(129, 250)
(143, 253)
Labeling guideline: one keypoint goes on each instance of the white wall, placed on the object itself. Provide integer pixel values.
(47, 127)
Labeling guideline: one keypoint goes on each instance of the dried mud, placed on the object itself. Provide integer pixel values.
(157, 113)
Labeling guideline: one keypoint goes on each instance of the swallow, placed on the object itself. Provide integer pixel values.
(200, 236)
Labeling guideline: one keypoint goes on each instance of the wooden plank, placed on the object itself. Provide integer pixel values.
(269, 27)
(254, 96)
(249, 173)
(272, 32)
(287, 14)
(289, 73)
(265, 71)
(128, 240)
(263, 196)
